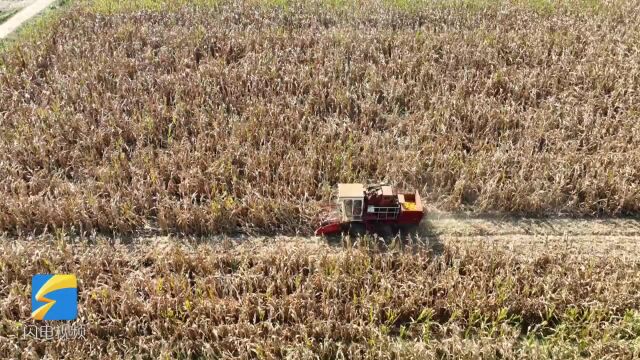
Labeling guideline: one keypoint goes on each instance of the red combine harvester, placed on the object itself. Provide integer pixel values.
(372, 208)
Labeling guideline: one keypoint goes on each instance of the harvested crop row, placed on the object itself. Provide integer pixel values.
(296, 298)
(242, 116)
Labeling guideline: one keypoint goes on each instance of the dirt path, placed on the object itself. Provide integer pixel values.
(33, 8)
(589, 237)
(9, 5)
(525, 237)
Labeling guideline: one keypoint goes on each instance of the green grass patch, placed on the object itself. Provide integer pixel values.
(118, 6)
(541, 6)
(5, 15)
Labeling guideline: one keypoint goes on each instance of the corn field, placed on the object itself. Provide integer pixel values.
(294, 298)
(208, 117)
(174, 154)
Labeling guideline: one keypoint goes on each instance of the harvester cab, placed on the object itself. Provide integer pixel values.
(372, 208)
(351, 201)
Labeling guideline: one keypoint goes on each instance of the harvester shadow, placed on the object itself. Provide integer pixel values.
(429, 233)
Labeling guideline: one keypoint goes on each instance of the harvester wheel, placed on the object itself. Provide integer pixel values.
(357, 230)
(407, 231)
(386, 231)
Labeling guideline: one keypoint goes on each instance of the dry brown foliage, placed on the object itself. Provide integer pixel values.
(242, 116)
(299, 299)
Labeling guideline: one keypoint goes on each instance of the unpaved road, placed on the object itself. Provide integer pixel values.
(29, 9)
(522, 238)
(8, 5)
(591, 238)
